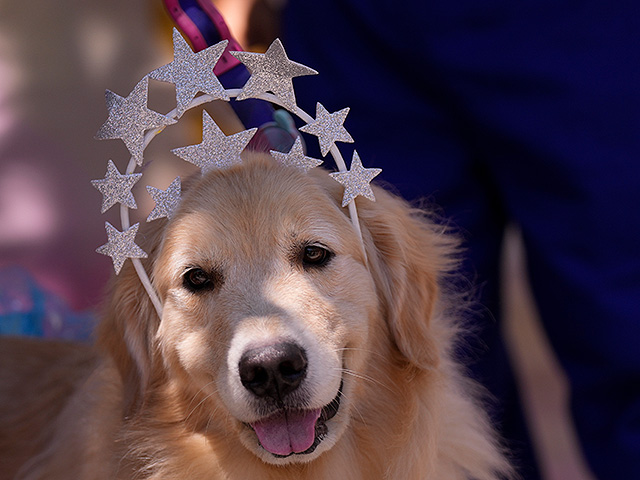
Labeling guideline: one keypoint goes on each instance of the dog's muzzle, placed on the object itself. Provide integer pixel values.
(273, 373)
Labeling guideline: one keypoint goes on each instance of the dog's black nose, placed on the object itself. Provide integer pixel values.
(273, 371)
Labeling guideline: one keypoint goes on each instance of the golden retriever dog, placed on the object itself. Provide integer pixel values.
(285, 350)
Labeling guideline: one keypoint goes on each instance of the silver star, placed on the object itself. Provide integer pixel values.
(121, 245)
(328, 128)
(356, 180)
(192, 72)
(129, 118)
(216, 150)
(166, 200)
(296, 157)
(271, 71)
(116, 188)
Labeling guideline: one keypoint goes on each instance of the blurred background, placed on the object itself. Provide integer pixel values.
(56, 60)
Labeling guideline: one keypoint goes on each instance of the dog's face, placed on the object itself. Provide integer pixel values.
(277, 329)
(268, 306)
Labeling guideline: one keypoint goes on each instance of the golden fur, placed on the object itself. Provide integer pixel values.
(151, 400)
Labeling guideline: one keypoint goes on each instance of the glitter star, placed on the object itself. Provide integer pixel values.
(216, 150)
(121, 245)
(296, 157)
(166, 200)
(328, 128)
(271, 71)
(356, 180)
(129, 118)
(116, 188)
(192, 72)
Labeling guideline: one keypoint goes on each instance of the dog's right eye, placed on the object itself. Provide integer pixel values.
(196, 279)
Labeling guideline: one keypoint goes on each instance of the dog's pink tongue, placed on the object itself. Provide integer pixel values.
(287, 432)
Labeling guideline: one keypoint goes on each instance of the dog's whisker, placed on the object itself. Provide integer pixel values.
(210, 414)
(355, 409)
(362, 376)
(195, 395)
(360, 349)
(209, 419)
(200, 403)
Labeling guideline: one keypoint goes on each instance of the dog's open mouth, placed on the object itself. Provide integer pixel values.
(290, 432)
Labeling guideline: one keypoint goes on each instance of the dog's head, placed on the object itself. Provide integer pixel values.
(272, 311)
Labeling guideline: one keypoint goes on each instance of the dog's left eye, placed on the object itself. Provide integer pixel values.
(196, 279)
(315, 256)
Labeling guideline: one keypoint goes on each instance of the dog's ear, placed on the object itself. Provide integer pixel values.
(408, 256)
(127, 330)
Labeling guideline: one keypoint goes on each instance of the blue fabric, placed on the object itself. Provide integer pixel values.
(502, 111)
(26, 308)
(251, 112)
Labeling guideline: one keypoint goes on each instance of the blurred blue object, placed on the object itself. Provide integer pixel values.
(26, 308)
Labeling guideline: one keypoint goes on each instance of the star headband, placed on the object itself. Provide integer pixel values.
(130, 120)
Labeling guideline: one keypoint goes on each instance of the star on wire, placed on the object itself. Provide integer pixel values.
(129, 118)
(166, 200)
(216, 150)
(328, 127)
(192, 72)
(121, 245)
(116, 188)
(272, 71)
(356, 181)
(296, 157)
